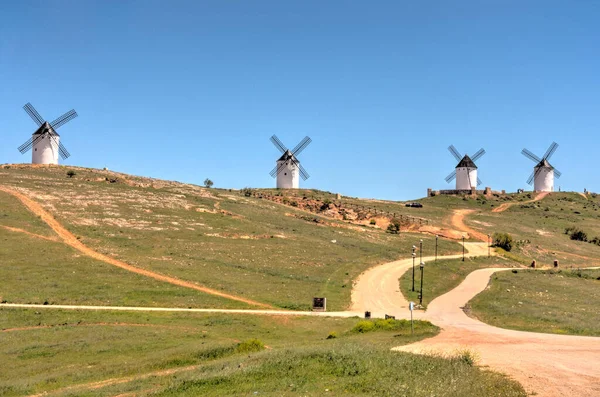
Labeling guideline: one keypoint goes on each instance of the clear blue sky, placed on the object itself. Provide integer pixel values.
(189, 90)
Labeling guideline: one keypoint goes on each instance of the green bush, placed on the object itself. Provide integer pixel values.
(394, 226)
(71, 173)
(364, 326)
(372, 222)
(389, 324)
(247, 191)
(249, 346)
(208, 183)
(503, 240)
(332, 335)
(576, 233)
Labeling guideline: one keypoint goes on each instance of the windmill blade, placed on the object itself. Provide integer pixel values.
(35, 116)
(275, 171)
(29, 143)
(303, 172)
(479, 183)
(557, 173)
(278, 144)
(26, 146)
(551, 150)
(531, 156)
(62, 151)
(301, 146)
(478, 155)
(455, 153)
(451, 176)
(530, 179)
(64, 119)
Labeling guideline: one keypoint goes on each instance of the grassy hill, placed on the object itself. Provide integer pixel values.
(245, 246)
(278, 250)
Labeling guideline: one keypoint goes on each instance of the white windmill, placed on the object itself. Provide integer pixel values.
(466, 170)
(288, 168)
(543, 173)
(45, 141)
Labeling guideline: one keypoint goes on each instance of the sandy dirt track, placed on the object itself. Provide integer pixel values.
(505, 206)
(549, 365)
(69, 239)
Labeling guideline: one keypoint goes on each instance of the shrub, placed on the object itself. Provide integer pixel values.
(294, 203)
(372, 222)
(576, 233)
(249, 346)
(467, 357)
(503, 240)
(364, 326)
(247, 191)
(208, 183)
(332, 335)
(71, 173)
(394, 226)
(389, 324)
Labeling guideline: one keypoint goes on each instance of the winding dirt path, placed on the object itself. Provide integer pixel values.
(547, 364)
(505, 206)
(458, 221)
(69, 239)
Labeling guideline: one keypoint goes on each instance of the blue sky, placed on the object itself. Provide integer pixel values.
(189, 90)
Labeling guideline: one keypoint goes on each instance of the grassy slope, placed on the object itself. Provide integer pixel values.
(253, 249)
(55, 273)
(444, 275)
(542, 301)
(83, 347)
(537, 228)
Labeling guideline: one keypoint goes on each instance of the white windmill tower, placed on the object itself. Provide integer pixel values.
(45, 141)
(465, 171)
(543, 173)
(288, 169)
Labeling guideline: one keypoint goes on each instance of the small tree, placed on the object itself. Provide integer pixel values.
(503, 240)
(208, 183)
(71, 173)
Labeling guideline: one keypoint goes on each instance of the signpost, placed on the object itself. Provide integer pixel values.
(319, 304)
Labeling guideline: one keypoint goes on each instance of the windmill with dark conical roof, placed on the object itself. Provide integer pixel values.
(288, 169)
(45, 141)
(543, 172)
(466, 170)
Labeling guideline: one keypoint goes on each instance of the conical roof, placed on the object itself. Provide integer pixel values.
(543, 164)
(46, 127)
(288, 156)
(466, 162)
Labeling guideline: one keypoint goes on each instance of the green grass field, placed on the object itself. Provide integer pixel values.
(64, 353)
(559, 302)
(444, 275)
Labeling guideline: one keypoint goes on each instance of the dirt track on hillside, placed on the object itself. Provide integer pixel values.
(457, 221)
(505, 206)
(69, 239)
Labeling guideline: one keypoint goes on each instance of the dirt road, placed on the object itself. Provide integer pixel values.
(457, 221)
(378, 291)
(549, 365)
(505, 206)
(69, 239)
